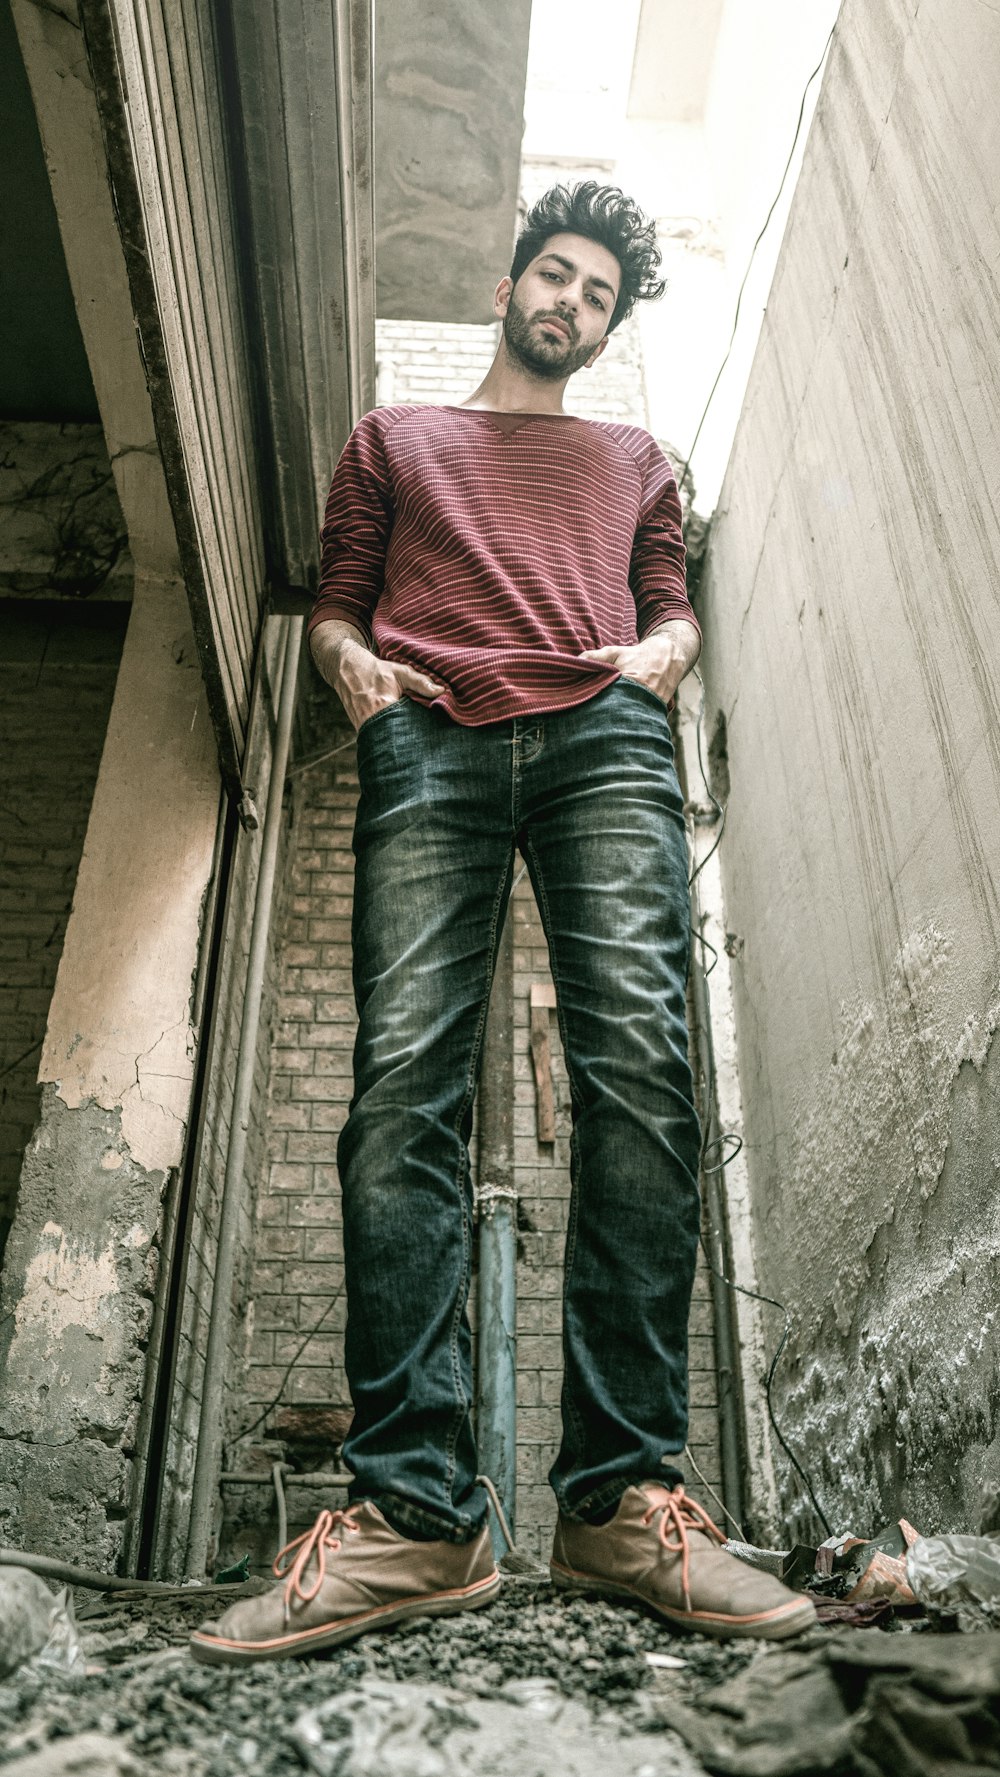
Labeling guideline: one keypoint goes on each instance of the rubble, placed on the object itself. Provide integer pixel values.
(527, 1729)
(613, 1689)
(902, 1705)
(144, 1693)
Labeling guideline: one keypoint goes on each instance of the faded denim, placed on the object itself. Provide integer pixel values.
(591, 799)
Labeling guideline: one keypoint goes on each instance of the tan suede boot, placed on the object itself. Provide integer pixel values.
(351, 1572)
(660, 1549)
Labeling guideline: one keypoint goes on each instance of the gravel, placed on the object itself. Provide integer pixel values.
(144, 1692)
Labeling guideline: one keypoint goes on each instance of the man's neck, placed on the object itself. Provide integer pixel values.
(508, 387)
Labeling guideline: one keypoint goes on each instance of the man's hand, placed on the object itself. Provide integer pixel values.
(364, 683)
(660, 661)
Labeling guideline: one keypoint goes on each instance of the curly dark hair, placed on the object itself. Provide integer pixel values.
(604, 214)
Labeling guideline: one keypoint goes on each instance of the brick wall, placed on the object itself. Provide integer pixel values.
(298, 1267)
(58, 664)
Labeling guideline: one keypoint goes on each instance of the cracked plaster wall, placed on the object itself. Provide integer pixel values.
(75, 1311)
(116, 1073)
(850, 605)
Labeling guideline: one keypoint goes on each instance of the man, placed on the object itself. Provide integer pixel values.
(502, 613)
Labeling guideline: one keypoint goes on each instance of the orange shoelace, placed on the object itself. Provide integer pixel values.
(680, 1513)
(312, 1542)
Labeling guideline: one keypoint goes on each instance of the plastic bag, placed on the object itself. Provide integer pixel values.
(36, 1625)
(63, 1651)
(958, 1576)
(527, 1729)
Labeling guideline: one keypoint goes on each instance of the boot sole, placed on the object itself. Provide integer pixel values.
(767, 1625)
(218, 1650)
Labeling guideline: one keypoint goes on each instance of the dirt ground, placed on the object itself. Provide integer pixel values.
(144, 1705)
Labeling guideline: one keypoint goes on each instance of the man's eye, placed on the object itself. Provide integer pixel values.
(598, 304)
(551, 274)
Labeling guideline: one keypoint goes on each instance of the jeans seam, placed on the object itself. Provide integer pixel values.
(462, 1405)
(538, 885)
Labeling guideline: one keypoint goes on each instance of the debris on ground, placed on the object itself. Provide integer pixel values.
(142, 1690)
(618, 1693)
(898, 1705)
(848, 1571)
(957, 1578)
(528, 1729)
(36, 1625)
(80, 1755)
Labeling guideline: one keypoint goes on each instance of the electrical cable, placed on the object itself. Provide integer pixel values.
(25, 1053)
(753, 254)
(718, 1141)
(328, 1310)
(314, 759)
(49, 1568)
(710, 1142)
(726, 1513)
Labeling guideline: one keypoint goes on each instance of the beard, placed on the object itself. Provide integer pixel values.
(541, 354)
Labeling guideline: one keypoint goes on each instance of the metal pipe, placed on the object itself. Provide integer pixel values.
(249, 1478)
(204, 1490)
(496, 1367)
(51, 1569)
(726, 1343)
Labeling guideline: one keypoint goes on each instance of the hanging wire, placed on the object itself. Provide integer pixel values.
(289, 1367)
(710, 1142)
(753, 254)
(724, 1509)
(719, 1142)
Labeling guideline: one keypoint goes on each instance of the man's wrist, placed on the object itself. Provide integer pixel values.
(682, 636)
(329, 642)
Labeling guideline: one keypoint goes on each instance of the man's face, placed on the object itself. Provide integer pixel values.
(555, 319)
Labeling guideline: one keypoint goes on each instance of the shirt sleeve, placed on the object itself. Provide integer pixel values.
(355, 533)
(656, 573)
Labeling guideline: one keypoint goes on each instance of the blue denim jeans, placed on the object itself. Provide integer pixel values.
(590, 798)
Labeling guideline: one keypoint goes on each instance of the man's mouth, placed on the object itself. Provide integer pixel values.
(559, 326)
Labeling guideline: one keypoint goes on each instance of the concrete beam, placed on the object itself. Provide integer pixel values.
(449, 116)
(51, 40)
(304, 151)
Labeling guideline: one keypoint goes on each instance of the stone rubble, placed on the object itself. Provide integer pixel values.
(145, 1698)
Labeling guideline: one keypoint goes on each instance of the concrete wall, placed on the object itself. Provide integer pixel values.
(449, 101)
(851, 613)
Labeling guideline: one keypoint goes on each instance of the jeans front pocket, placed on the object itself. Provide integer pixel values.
(637, 685)
(386, 710)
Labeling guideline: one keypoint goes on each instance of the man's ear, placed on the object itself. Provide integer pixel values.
(501, 297)
(595, 354)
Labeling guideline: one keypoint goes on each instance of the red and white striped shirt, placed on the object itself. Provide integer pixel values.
(490, 549)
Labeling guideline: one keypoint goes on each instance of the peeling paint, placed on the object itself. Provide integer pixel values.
(119, 1032)
(75, 1316)
(65, 1286)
